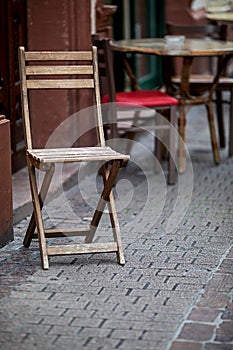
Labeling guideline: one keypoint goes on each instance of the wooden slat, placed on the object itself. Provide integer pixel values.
(58, 56)
(82, 248)
(58, 70)
(80, 150)
(75, 154)
(65, 232)
(77, 159)
(60, 84)
(77, 230)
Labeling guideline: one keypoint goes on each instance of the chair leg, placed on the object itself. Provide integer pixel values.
(172, 146)
(158, 145)
(213, 133)
(130, 138)
(164, 148)
(114, 223)
(221, 129)
(38, 217)
(131, 134)
(116, 229)
(158, 148)
(42, 195)
(182, 137)
(231, 126)
(104, 199)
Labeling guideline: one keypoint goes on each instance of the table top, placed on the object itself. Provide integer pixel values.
(159, 46)
(220, 16)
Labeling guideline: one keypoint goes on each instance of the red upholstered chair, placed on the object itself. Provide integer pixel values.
(121, 124)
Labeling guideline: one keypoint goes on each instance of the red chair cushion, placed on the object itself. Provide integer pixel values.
(146, 98)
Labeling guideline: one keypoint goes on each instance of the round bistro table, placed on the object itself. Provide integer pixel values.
(188, 50)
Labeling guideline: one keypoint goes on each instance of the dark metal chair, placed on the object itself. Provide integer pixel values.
(136, 121)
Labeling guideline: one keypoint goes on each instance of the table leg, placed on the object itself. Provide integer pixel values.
(221, 68)
(213, 136)
(182, 137)
(184, 95)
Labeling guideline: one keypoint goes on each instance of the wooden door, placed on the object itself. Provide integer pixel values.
(140, 19)
(147, 20)
(12, 34)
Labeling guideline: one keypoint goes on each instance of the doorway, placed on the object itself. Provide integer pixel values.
(13, 26)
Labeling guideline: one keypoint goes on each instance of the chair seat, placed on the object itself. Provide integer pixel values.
(60, 155)
(146, 98)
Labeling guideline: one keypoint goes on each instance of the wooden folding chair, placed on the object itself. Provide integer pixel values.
(49, 70)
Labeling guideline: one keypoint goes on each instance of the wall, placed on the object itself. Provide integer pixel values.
(179, 12)
(6, 212)
(58, 25)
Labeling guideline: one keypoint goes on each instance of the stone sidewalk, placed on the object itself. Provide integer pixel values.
(174, 292)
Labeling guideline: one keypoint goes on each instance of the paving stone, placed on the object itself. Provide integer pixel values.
(217, 346)
(224, 332)
(226, 266)
(157, 335)
(126, 334)
(204, 315)
(64, 330)
(220, 282)
(215, 300)
(10, 346)
(227, 314)
(141, 344)
(196, 331)
(185, 345)
(230, 254)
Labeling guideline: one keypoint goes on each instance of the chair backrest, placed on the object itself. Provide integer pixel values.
(107, 84)
(106, 72)
(59, 70)
(106, 68)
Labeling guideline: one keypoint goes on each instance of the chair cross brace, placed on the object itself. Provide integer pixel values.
(106, 199)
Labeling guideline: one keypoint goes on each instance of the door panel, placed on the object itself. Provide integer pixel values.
(147, 20)
(137, 19)
(12, 34)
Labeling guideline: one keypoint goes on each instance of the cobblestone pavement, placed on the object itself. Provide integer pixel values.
(174, 292)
